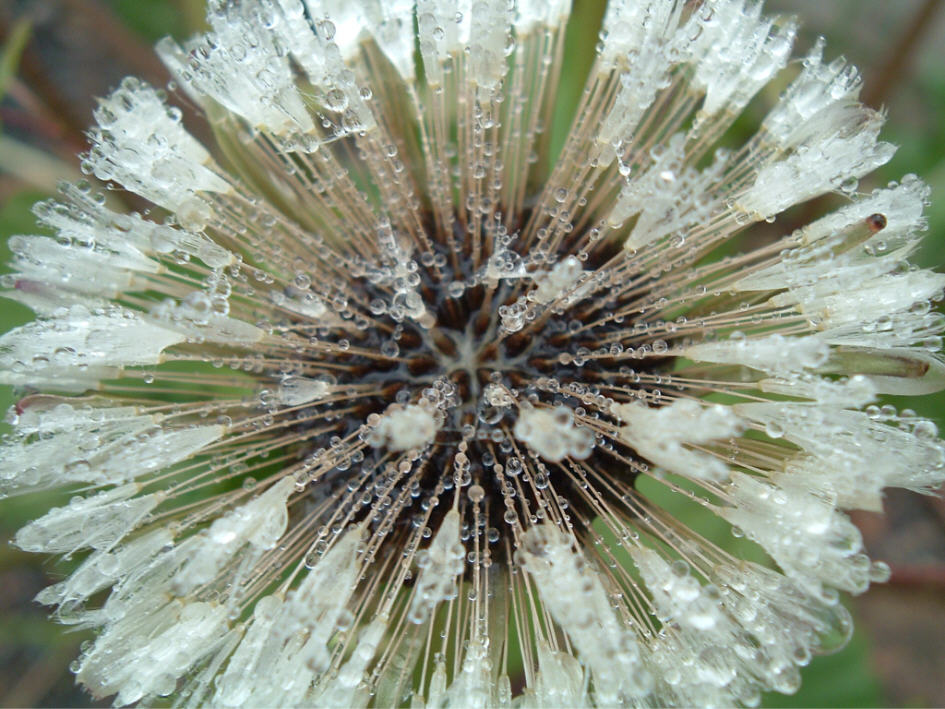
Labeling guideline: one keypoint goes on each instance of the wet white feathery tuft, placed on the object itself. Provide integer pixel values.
(381, 403)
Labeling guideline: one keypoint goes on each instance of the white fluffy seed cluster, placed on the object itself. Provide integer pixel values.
(170, 174)
(256, 525)
(439, 565)
(100, 445)
(664, 435)
(551, 433)
(99, 521)
(577, 599)
(559, 283)
(405, 428)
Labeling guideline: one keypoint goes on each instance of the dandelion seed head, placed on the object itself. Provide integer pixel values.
(387, 400)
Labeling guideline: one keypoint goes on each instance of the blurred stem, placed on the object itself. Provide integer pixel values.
(932, 575)
(136, 56)
(34, 166)
(12, 51)
(889, 78)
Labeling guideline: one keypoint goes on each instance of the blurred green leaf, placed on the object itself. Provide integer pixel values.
(12, 51)
(150, 19)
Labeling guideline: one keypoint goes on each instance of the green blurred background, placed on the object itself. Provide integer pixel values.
(56, 55)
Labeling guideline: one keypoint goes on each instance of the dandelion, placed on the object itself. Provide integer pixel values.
(388, 401)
